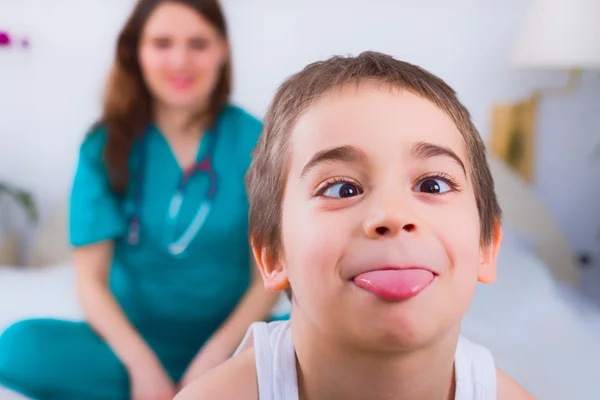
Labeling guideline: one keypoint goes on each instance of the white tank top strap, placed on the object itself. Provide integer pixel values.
(475, 369)
(475, 372)
(275, 359)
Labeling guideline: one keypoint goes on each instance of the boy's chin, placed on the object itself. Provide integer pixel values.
(400, 337)
(400, 330)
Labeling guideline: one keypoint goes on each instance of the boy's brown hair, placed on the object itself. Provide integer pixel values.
(266, 177)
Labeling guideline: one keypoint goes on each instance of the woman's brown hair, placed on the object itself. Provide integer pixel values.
(127, 109)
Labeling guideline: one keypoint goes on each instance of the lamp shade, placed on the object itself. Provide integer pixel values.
(560, 34)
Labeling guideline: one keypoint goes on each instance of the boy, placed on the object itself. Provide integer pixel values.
(372, 202)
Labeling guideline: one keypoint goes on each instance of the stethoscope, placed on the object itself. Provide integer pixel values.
(177, 246)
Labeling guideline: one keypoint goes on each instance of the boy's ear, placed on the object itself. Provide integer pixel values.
(487, 272)
(274, 275)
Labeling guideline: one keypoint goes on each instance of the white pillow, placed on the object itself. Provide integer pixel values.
(516, 239)
(522, 277)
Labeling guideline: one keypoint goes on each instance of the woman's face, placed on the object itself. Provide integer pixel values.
(181, 56)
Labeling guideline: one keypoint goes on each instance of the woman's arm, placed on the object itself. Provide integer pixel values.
(255, 305)
(147, 375)
(105, 316)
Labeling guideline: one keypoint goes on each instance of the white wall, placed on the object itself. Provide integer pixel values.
(50, 93)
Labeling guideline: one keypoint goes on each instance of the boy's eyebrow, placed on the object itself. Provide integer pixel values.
(424, 150)
(347, 153)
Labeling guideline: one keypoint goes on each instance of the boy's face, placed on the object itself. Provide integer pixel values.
(380, 228)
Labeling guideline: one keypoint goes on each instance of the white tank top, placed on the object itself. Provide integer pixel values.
(475, 370)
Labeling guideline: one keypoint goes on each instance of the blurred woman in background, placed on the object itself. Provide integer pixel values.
(158, 222)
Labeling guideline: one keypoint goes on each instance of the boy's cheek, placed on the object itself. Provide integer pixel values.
(319, 248)
(315, 245)
(456, 228)
(461, 243)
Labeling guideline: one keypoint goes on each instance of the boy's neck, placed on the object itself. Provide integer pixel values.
(327, 370)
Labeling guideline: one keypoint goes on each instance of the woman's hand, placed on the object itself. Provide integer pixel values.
(255, 305)
(208, 358)
(149, 380)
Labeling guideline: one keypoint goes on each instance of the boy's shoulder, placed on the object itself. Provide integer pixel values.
(509, 389)
(484, 370)
(234, 379)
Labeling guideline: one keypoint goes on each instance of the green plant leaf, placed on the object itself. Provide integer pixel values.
(23, 198)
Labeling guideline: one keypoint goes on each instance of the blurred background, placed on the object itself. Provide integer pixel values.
(501, 56)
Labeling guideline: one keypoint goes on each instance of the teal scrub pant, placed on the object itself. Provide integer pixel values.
(59, 360)
(47, 359)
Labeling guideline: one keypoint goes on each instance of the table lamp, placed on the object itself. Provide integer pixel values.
(558, 35)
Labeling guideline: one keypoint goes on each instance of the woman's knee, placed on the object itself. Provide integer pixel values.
(48, 358)
(24, 356)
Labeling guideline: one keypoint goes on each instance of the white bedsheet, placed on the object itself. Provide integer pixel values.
(32, 293)
(544, 335)
(548, 340)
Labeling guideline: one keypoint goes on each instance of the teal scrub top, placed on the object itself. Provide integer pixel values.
(175, 303)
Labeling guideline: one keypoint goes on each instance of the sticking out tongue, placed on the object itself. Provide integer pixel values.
(394, 285)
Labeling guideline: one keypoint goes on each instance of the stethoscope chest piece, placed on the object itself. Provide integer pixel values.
(178, 246)
(133, 236)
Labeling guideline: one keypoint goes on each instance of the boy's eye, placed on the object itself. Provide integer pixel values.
(433, 186)
(342, 190)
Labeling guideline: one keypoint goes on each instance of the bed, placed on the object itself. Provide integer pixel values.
(540, 330)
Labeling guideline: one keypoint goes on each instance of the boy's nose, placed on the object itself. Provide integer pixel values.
(389, 217)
